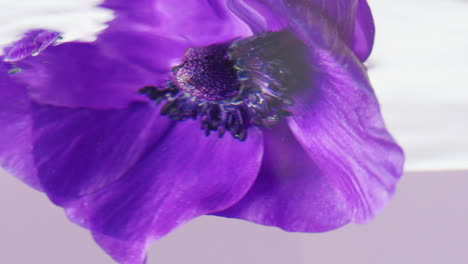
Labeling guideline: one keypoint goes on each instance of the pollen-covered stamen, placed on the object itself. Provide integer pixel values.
(230, 87)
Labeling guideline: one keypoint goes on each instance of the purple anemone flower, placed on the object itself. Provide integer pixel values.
(253, 109)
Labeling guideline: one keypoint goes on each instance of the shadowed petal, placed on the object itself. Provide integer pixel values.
(342, 13)
(354, 21)
(80, 151)
(351, 20)
(291, 191)
(339, 124)
(258, 15)
(186, 175)
(15, 129)
(32, 43)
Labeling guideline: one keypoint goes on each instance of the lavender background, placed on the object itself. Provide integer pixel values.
(419, 70)
(426, 223)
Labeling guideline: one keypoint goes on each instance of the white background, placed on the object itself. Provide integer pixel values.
(419, 69)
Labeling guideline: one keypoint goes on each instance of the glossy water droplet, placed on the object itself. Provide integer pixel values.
(14, 70)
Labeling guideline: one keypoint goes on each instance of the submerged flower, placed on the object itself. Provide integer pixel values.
(255, 109)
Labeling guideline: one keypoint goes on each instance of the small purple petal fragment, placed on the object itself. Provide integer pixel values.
(32, 43)
(291, 191)
(186, 175)
(339, 124)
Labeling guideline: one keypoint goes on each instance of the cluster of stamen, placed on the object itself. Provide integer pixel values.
(230, 87)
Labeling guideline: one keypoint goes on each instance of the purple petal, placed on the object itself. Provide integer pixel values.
(339, 124)
(186, 175)
(364, 31)
(32, 43)
(340, 12)
(258, 15)
(155, 54)
(351, 20)
(349, 158)
(354, 21)
(131, 53)
(124, 251)
(80, 151)
(195, 22)
(291, 191)
(82, 75)
(15, 129)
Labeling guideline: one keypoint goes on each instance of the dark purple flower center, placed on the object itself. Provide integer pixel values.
(235, 85)
(207, 74)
